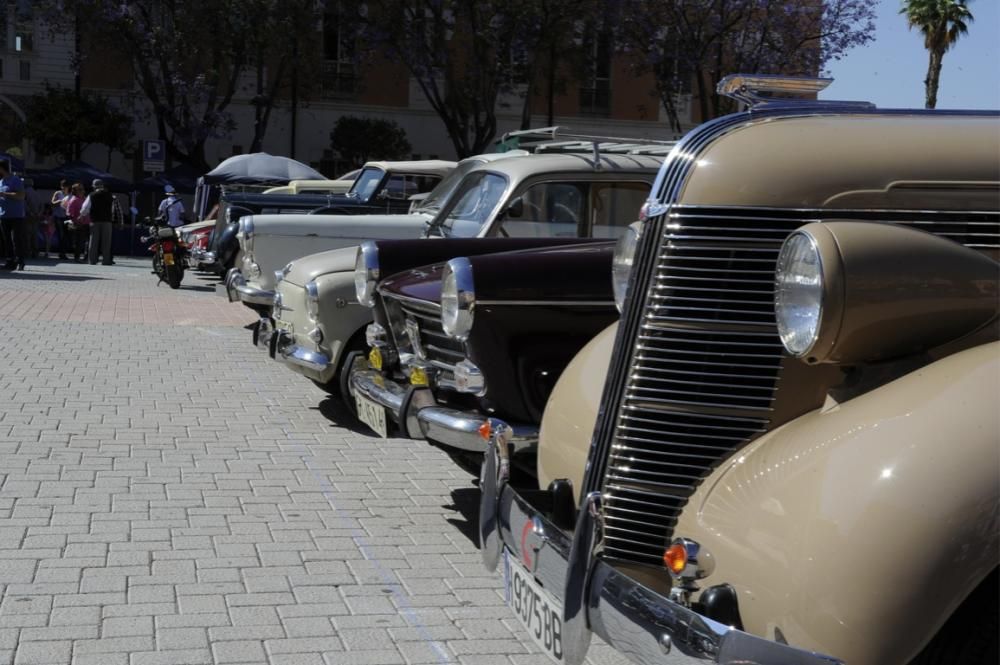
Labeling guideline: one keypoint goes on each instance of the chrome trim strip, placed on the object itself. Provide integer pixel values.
(416, 302)
(550, 303)
(254, 295)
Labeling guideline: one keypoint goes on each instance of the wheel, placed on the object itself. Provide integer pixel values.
(175, 274)
(969, 636)
(157, 265)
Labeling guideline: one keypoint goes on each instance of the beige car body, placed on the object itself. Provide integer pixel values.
(865, 516)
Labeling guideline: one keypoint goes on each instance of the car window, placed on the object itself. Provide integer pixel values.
(403, 186)
(366, 183)
(472, 205)
(442, 190)
(549, 210)
(615, 205)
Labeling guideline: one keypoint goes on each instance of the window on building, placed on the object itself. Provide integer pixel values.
(25, 70)
(595, 87)
(24, 23)
(339, 77)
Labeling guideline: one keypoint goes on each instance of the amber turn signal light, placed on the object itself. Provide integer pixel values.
(675, 558)
(485, 430)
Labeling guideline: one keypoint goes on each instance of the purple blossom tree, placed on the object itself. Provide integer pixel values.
(689, 45)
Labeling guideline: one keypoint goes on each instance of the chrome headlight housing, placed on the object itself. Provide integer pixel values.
(366, 273)
(312, 301)
(798, 293)
(245, 233)
(621, 266)
(458, 298)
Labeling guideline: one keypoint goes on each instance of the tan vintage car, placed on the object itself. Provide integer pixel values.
(788, 449)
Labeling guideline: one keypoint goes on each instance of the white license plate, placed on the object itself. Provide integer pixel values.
(539, 612)
(372, 414)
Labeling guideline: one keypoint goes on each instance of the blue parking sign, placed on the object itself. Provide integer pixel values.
(154, 155)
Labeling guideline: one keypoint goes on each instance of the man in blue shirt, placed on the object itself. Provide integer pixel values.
(13, 225)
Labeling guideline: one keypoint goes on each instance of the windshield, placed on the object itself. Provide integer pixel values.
(471, 207)
(366, 183)
(439, 195)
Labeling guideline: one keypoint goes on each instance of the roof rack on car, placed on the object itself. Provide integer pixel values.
(559, 139)
(768, 90)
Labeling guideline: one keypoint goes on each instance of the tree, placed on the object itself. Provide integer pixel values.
(360, 140)
(941, 22)
(60, 123)
(459, 52)
(185, 57)
(692, 44)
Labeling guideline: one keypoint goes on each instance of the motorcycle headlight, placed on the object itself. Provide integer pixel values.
(312, 301)
(366, 273)
(458, 298)
(621, 267)
(798, 293)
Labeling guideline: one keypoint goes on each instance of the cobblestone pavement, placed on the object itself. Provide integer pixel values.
(170, 496)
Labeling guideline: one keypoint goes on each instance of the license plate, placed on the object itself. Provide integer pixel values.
(168, 259)
(371, 414)
(538, 612)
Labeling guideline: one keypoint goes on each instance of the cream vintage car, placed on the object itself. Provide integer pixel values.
(313, 300)
(786, 451)
(377, 206)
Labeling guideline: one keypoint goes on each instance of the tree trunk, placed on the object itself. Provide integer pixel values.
(933, 77)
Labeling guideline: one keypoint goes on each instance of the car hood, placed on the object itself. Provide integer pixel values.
(308, 268)
(362, 227)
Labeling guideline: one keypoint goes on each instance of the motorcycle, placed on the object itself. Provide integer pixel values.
(168, 252)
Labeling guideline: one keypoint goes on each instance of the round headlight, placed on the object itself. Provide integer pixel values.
(798, 293)
(458, 298)
(312, 301)
(621, 266)
(366, 273)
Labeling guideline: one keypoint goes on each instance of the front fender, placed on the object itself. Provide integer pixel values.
(857, 529)
(340, 315)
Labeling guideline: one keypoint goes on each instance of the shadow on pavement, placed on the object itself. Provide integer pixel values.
(48, 277)
(465, 503)
(333, 409)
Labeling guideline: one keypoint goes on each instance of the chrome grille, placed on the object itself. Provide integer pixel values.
(436, 347)
(706, 358)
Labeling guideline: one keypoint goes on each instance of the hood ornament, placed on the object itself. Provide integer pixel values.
(759, 90)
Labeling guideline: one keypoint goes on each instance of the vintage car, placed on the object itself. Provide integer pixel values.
(482, 335)
(376, 206)
(517, 196)
(786, 451)
(223, 252)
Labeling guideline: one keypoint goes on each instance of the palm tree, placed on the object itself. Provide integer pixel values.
(941, 22)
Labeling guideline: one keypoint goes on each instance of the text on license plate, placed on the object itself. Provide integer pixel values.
(539, 612)
(371, 414)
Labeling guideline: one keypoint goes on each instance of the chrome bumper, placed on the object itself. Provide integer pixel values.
(418, 415)
(239, 291)
(281, 346)
(201, 257)
(598, 598)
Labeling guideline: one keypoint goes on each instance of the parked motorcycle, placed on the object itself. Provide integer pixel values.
(168, 252)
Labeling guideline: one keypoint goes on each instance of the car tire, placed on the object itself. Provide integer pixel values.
(970, 635)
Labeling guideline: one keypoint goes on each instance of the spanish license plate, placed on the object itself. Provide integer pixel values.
(539, 612)
(372, 414)
(168, 259)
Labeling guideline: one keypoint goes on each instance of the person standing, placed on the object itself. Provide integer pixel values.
(13, 224)
(61, 219)
(102, 208)
(77, 224)
(172, 208)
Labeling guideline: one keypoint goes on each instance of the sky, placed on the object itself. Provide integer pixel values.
(890, 71)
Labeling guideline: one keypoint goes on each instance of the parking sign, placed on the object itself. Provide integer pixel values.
(154, 155)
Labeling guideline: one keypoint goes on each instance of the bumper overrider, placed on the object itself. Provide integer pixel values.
(281, 346)
(417, 414)
(239, 291)
(597, 597)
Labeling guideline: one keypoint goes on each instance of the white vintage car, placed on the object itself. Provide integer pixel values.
(317, 320)
(372, 209)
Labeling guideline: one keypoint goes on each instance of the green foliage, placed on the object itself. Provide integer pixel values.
(61, 123)
(360, 140)
(941, 22)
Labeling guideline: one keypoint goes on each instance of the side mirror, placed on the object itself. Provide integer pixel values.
(516, 208)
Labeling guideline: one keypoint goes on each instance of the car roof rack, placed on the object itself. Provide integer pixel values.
(759, 91)
(560, 139)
